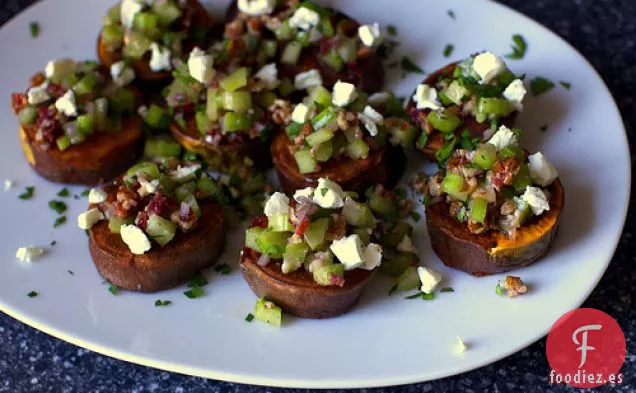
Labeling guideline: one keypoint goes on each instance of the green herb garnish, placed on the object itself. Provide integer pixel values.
(565, 85)
(415, 216)
(194, 293)
(59, 221)
(64, 193)
(249, 317)
(324, 191)
(162, 303)
(34, 27)
(448, 50)
(196, 282)
(442, 154)
(85, 193)
(393, 289)
(223, 269)
(27, 194)
(451, 13)
(113, 289)
(59, 206)
(468, 142)
(409, 66)
(519, 47)
(32, 294)
(447, 289)
(499, 290)
(422, 295)
(392, 30)
(540, 85)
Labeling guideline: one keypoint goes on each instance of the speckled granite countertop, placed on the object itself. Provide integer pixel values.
(605, 32)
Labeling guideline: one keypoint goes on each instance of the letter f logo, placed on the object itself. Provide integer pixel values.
(584, 347)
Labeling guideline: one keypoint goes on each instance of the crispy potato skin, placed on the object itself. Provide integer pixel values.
(493, 252)
(384, 166)
(100, 158)
(436, 139)
(297, 293)
(142, 69)
(162, 267)
(225, 158)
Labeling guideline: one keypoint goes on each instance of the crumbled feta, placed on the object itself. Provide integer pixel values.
(66, 104)
(28, 253)
(460, 346)
(429, 278)
(59, 68)
(536, 199)
(136, 240)
(184, 172)
(406, 245)
(515, 92)
(304, 19)
(300, 113)
(268, 74)
(278, 203)
(160, 58)
(87, 219)
(97, 195)
(370, 35)
(372, 256)
(256, 7)
(488, 66)
(504, 137)
(128, 9)
(307, 79)
(380, 98)
(38, 94)
(349, 251)
(542, 172)
(371, 119)
(307, 192)
(344, 93)
(425, 97)
(8, 184)
(122, 75)
(328, 194)
(200, 66)
(147, 187)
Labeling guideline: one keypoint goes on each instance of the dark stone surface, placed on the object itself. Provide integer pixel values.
(605, 32)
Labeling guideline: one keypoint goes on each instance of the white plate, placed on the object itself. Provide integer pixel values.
(385, 340)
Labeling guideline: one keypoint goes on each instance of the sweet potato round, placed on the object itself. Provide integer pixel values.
(100, 158)
(160, 268)
(436, 139)
(225, 157)
(493, 252)
(297, 293)
(383, 166)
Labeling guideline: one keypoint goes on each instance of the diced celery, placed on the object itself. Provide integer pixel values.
(358, 149)
(478, 209)
(452, 183)
(236, 122)
(323, 152)
(203, 123)
(113, 36)
(291, 53)
(481, 117)
(115, 223)
(494, 106)
(156, 117)
(166, 11)
(286, 87)
(136, 45)
(27, 115)
(294, 257)
(149, 169)
(485, 156)
(101, 114)
(235, 80)
(397, 264)
(161, 230)
(272, 243)
(302, 37)
(383, 206)
(320, 95)
(191, 201)
(208, 187)
(113, 15)
(268, 312)
(326, 27)
(408, 280)
(280, 223)
(329, 274)
(333, 60)
(86, 84)
(315, 234)
(185, 190)
(63, 142)
(269, 48)
(305, 161)
(162, 147)
(146, 22)
(266, 98)
(86, 124)
(284, 31)
(360, 102)
(443, 121)
(123, 101)
(237, 101)
(358, 214)
(167, 183)
(456, 92)
(323, 118)
(316, 138)
(522, 180)
(251, 234)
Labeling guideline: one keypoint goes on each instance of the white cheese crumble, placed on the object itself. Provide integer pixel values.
(304, 19)
(300, 113)
(425, 97)
(59, 68)
(307, 192)
(372, 256)
(278, 203)
(147, 187)
(28, 253)
(488, 66)
(328, 194)
(371, 119)
(542, 172)
(429, 278)
(160, 58)
(200, 66)
(87, 219)
(307, 79)
(515, 92)
(536, 199)
(67, 104)
(349, 251)
(38, 94)
(128, 10)
(97, 195)
(460, 346)
(504, 137)
(268, 74)
(256, 7)
(136, 240)
(406, 245)
(370, 35)
(184, 172)
(344, 93)
(122, 75)
(8, 184)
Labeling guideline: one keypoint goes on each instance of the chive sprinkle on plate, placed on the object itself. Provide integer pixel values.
(519, 47)
(448, 50)
(540, 85)
(34, 27)
(409, 66)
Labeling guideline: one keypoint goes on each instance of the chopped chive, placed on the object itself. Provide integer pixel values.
(27, 194)
(113, 289)
(85, 193)
(540, 85)
(448, 50)
(447, 289)
(393, 289)
(64, 193)
(498, 290)
(392, 30)
(324, 191)
(196, 282)
(451, 13)
(223, 269)
(409, 66)
(162, 303)
(32, 294)
(428, 296)
(34, 27)
(415, 216)
(59, 206)
(194, 293)
(249, 317)
(59, 221)
(519, 47)
(415, 296)
(565, 85)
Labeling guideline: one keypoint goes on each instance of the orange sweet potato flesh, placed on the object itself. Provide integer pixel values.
(102, 157)
(493, 252)
(160, 268)
(383, 166)
(297, 293)
(436, 139)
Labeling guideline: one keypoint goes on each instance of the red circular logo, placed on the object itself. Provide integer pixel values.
(586, 348)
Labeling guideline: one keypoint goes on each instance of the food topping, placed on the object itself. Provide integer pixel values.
(28, 253)
(513, 285)
(135, 238)
(121, 74)
(370, 35)
(256, 7)
(87, 219)
(266, 311)
(429, 279)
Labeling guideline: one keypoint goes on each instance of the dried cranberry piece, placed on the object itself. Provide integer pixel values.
(260, 221)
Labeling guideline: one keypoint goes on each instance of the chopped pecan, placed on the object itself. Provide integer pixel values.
(508, 207)
(504, 172)
(281, 112)
(514, 285)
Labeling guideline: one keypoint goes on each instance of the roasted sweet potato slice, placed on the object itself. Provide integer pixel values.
(297, 293)
(436, 139)
(383, 166)
(100, 158)
(162, 267)
(493, 252)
